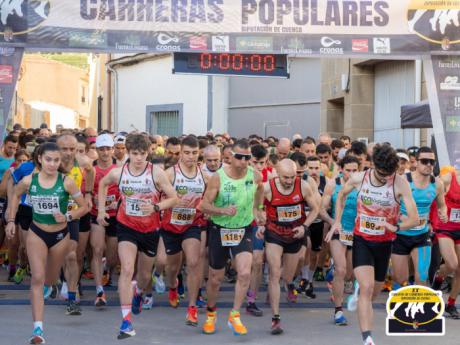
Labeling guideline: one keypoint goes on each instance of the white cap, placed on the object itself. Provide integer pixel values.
(120, 139)
(403, 156)
(104, 140)
(342, 153)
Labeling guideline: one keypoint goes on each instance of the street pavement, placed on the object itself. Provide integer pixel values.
(306, 322)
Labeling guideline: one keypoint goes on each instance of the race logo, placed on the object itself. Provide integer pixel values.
(415, 310)
(6, 74)
(331, 46)
(295, 45)
(360, 45)
(167, 42)
(435, 21)
(199, 43)
(254, 43)
(450, 83)
(220, 43)
(18, 17)
(382, 45)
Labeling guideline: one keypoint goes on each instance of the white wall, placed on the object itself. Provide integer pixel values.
(220, 104)
(152, 83)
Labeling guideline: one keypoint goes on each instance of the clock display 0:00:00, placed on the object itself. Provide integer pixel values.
(238, 62)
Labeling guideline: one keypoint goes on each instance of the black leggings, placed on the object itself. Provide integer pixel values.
(50, 238)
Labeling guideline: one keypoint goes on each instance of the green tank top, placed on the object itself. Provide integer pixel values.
(239, 193)
(46, 202)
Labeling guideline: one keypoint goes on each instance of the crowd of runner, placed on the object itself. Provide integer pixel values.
(168, 213)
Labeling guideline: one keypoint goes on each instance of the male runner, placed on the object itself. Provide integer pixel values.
(380, 191)
(75, 166)
(234, 197)
(138, 222)
(284, 235)
(182, 226)
(103, 239)
(212, 160)
(416, 243)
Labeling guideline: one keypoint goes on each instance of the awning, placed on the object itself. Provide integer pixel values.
(416, 115)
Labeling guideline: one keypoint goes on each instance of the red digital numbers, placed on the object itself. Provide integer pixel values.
(237, 62)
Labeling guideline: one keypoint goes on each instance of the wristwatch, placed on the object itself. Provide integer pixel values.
(68, 217)
(156, 208)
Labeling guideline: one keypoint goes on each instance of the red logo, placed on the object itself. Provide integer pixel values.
(6, 74)
(199, 42)
(360, 45)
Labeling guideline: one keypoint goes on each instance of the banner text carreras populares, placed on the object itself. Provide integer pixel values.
(303, 27)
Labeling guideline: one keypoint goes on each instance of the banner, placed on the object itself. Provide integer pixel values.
(301, 27)
(10, 63)
(443, 84)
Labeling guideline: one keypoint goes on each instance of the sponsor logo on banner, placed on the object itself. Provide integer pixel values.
(360, 45)
(295, 46)
(435, 21)
(168, 42)
(6, 51)
(6, 74)
(450, 83)
(415, 311)
(131, 42)
(331, 46)
(449, 64)
(382, 45)
(453, 124)
(19, 17)
(199, 42)
(86, 39)
(220, 43)
(254, 43)
(457, 103)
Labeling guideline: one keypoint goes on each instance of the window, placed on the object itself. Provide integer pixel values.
(83, 95)
(165, 119)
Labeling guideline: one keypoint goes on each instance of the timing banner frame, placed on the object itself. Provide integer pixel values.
(371, 29)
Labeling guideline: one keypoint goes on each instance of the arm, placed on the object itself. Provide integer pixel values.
(441, 201)
(310, 198)
(4, 183)
(207, 204)
(166, 187)
(351, 184)
(111, 178)
(21, 188)
(405, 193)
(71, 188)
(88, 168)
(326, 202)
(259, 213)
(10, 188)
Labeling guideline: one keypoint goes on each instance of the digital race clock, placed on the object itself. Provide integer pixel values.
(254, 65)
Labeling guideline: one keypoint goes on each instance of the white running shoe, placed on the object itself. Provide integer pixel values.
(352, 303)
(64, 291)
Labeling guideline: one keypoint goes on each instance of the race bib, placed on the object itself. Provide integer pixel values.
(132, 207)
(231, 237)
(346, 238)
(423, 220)
(182, 216)
(288, 213)
(369, 225)
(45, 204)
(455, 215)
(27, 200)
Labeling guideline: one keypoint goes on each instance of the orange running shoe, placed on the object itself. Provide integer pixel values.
(173, 298)
(209, 326)
(192, 316)
(235, 324)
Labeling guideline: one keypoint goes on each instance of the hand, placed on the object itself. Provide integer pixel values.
(101, 219)
(389, 227)
(260, 232)
(442, 214)
(186, 201)
(229, 211)
(299, 232)
(336, 228)
(10, 230)
(261, 218)
(329, 235)
(89, 201)
(59, 217)
(146, 207)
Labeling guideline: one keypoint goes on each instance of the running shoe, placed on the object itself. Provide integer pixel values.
(252, 309)
(200, 302)
(64, 291)
(319, 275)
(54, 291)
(160, 286)
(136, 304)
(11, 274)
(292, 294)
(73, 309)
(173, 298)
(37, 336)
(276, 326)
(47, 292)
(147, 303)
(126, 330)
(235, 324)
(88, 275)
(309, 291)
(192, 316)
(352, 303)
(340, 319)
(181, 291)
(209, 326)
(101, 300)
(19, 275)
(452, 312)
(330, 274)
(437, 281)
(302, 286)
(106, 279)
(369, 341)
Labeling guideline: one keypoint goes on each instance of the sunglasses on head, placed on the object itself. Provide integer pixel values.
(241, 156)
(413, 150)
(426, 161)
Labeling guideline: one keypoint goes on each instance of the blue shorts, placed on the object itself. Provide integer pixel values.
(256, 243)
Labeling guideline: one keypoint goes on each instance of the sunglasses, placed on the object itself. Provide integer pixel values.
(241, 156)
(426, 161)
(383, 174)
